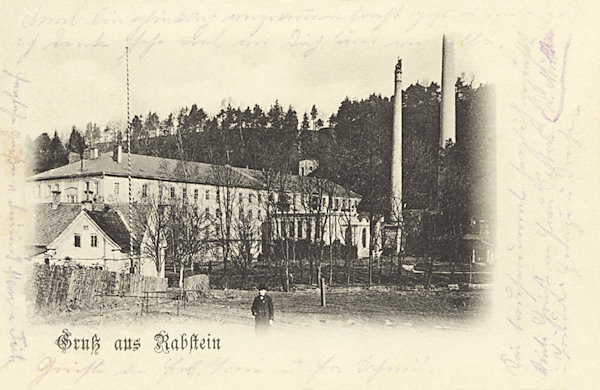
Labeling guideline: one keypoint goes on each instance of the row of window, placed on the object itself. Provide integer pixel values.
(91, 188)
(345, 203)
(291, 228)
(77, 240)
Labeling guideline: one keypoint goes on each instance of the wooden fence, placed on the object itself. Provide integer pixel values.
(55, 288)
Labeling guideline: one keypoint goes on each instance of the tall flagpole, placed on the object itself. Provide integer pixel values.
(129, 164)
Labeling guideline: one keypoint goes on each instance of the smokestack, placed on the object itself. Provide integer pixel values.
(396, 194)
(448, 111)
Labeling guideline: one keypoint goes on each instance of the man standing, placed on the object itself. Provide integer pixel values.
(262, 310)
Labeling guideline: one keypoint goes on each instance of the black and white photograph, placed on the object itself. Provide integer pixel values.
(332, 195)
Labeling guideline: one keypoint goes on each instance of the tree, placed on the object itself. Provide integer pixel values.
(290, 121)
(305, 124)
(152, 220)
(247, 240)
(228, 182)
(275, 116)
(77, 144)
(42, 153)
(313, 115)
(317, 199)
(58, 155)
(189, 232)
(92, 134)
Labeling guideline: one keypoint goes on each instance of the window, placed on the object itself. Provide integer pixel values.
(195, 194)
(144, 190)
(292, 230)
(184, 194)
(207, 195)
(94, 241)
(97, 187)
(116, 190)
(241, 197)
(207, 212)
(77, 241)
(364, 237)
(300, 229)
(302, 171)
(172, 192)
(337, 203)
(308, 230)
(250, 214)
(48, 190)
(258, 197)
(344, 204)
(250, 197)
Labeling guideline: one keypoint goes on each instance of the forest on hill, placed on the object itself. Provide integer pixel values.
(353, 149)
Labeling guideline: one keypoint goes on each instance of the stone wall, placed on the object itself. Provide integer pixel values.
(55, 288)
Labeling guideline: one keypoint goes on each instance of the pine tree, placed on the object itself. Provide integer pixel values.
(76, 144)
(57, 152)
(305, 124)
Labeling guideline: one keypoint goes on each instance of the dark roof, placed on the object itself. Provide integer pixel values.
(113, 225)
(49, 223)
(159, 168)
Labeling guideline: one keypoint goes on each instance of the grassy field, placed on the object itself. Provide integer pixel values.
(379, 306)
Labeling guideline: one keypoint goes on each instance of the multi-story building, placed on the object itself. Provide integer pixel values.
(299, 207)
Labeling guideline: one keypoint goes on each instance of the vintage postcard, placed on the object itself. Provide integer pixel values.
(278, 194)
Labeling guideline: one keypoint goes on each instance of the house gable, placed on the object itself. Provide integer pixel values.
(85, 227)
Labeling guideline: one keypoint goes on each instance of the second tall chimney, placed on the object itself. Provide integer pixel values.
(448, 109)
(396, 190)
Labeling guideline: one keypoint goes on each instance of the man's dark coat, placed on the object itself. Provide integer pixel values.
(262, 309)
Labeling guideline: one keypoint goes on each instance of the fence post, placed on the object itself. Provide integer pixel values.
(322, 286)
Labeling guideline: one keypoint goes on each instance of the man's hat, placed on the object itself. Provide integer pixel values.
(262, 286)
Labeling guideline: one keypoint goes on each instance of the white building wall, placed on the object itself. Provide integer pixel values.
(105, 254)
(105, 190)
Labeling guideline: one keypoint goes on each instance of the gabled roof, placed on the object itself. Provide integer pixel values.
(150, 167)
(114, 227)
(166, 169)
(50, 223)
(296, 183)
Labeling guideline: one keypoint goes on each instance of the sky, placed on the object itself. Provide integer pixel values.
(75, 60)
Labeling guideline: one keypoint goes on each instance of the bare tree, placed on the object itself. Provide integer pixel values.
(347, 215)
(189, 232)
(317, 195)
(247, 240)
(228, 183)
(152, 221)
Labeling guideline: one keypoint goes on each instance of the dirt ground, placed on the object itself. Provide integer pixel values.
(355, 307)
